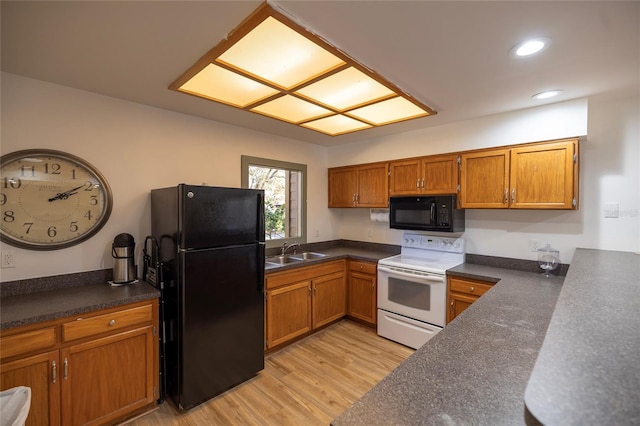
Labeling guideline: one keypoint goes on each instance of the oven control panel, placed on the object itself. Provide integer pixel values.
(427, 242)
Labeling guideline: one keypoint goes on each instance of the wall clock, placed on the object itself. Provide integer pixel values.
(50, 200)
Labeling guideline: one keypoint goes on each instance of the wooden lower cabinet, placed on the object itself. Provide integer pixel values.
(362, 291)
(462, 292)
(288, 312)
(301, 300)
(103, 374)
(36, 372)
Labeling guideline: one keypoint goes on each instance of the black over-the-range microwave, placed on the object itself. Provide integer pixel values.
(426, 213)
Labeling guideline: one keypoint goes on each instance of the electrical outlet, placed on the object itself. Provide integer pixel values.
(317, 233)
(369, 232)
(8, 259)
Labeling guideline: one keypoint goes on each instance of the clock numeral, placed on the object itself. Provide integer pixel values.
(27, 225)
(88, 215)
(52, 169)
(73, 227)
(13, 183)
(52, 232)
(8, 216)
(73, 174)
(3, 199)
(88, 185)
(25, 169)
(93, 200)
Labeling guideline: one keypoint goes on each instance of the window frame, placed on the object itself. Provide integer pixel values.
(247, 161)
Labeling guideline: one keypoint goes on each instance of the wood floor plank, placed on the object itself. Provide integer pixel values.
(309, 382)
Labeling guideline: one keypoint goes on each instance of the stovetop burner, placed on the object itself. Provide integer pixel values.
(428, 253)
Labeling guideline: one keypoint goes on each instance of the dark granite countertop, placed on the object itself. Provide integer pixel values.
(24, 309)
(588, 370)
(474, 371)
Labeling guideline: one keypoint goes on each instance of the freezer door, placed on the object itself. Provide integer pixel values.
(223, 320)
(216, 217)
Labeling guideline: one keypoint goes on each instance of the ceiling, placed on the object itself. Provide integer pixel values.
(451, 55)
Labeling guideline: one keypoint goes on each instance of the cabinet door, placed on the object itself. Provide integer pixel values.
(107, 378)
(542, 176)
(440, 174)
(362, 297)
(329, 299)
(373, 185)
(457, 304)
(405, 177)
(342, 187)
(288, 312)
(42, 374)
(484, 179)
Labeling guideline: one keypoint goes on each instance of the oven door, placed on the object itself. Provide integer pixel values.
(411, 293)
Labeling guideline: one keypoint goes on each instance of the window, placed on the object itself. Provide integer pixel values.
(285, 201)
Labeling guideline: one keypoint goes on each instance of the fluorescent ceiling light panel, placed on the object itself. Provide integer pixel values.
(346, 89)
(276, 53)
(547, 94)
(292, 109)
(389, 111)
(336, 125)
(272, 66)
(221, 85)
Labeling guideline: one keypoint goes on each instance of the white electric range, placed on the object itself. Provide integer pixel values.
(412, 288)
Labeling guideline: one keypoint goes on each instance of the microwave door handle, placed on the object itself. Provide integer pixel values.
(433, 278)
(433, 213)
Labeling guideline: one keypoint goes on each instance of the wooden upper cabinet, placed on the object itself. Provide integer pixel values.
(544, 176)
(484, 179)
(535, 176)
(436, 174)
(366, 185)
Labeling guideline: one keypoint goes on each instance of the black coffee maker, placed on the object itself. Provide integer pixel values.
(124, 268)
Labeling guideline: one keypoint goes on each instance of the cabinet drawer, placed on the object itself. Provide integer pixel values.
(473, 288)
(29, 341)
(365, 267)
(86, 327)
(278, 279)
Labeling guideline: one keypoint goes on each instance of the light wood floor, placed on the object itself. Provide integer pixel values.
(308, 383)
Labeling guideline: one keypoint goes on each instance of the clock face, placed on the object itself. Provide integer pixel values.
(51, 200)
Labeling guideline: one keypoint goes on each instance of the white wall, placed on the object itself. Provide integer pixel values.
(137, 148)
(608, 173)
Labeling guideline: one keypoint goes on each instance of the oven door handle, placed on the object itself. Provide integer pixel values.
(434, 278)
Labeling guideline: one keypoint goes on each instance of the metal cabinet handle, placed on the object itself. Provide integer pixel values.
(472, 289)
(506, 195)
(112, 323)
(66, 368)
(373, 287)
(418, 183)
(422, 183)
(54, 371)
(513, 195)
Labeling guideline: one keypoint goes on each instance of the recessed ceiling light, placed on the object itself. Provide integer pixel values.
(530, 47)
(272, 66)
(547, 94)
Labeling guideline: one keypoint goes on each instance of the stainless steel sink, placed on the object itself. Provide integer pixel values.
(282, 260)
(308, 255)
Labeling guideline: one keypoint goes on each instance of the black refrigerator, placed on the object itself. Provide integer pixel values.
(211, 248)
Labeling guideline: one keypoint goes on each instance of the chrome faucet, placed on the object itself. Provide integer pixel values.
(286, 247)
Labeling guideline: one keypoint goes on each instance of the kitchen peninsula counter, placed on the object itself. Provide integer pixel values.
(477, 369)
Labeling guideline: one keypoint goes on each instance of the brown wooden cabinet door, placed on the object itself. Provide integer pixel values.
(542, 176)
(342, 187)
(288, 312)
(440, 174)
(457, 304)
(405, 177)
(362, 297)
(484, 179)
(329, 299)
(373, 185)
(37, 372)
(109, 377)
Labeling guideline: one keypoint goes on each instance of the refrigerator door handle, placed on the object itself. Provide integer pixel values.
(261, 254)
(261, 216)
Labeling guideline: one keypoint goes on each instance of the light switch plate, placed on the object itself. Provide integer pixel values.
(611, 209)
